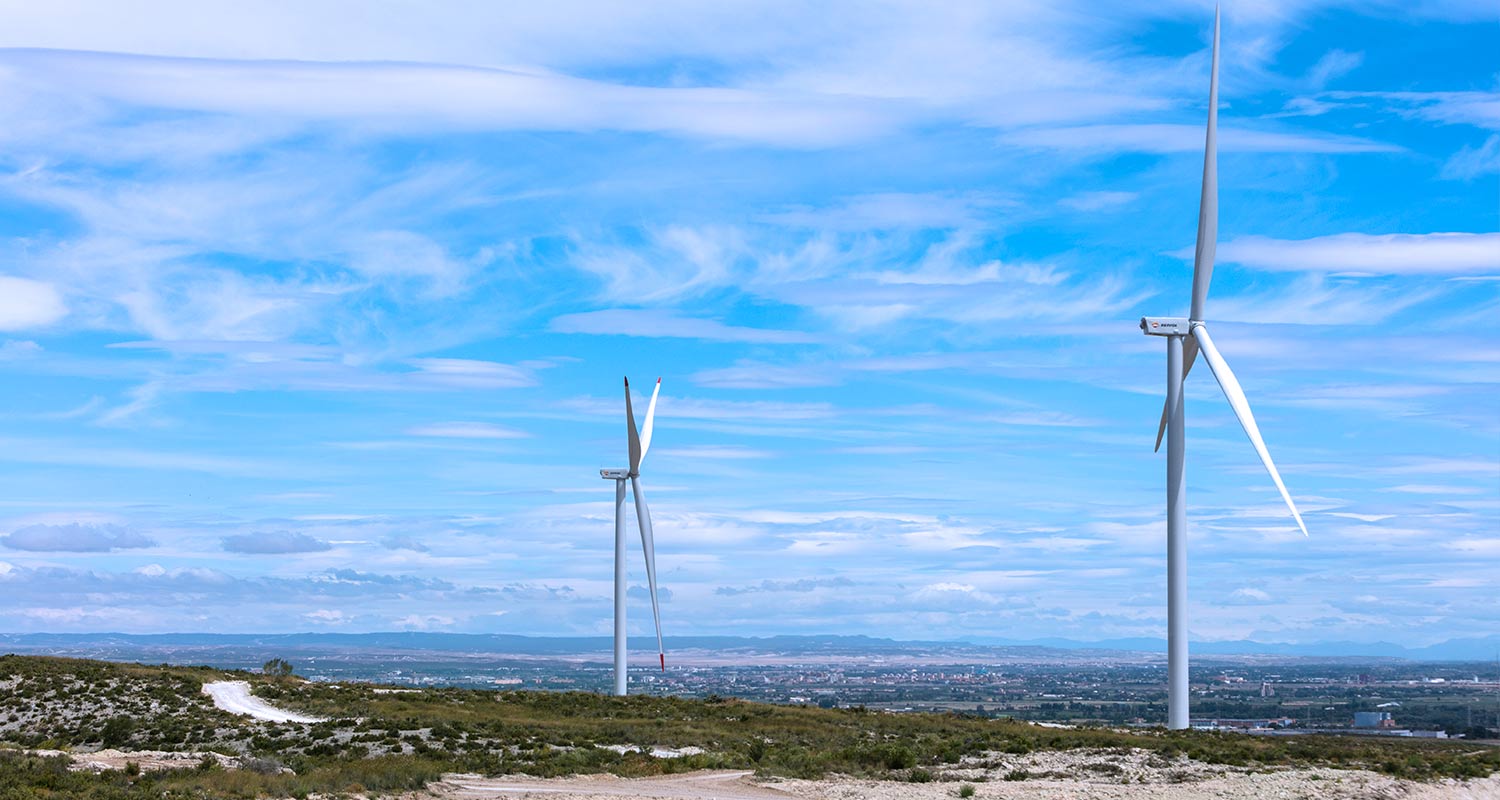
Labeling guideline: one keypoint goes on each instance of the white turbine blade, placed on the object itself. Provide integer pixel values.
(1208, 204)
(635, 438)
(650, 418)
(648, 544)
(1189, 355)
(1241, 406)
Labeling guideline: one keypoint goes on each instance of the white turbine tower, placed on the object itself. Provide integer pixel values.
(1185, 337)
(639, 444)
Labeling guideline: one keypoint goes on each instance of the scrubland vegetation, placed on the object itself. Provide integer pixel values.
(380, 740)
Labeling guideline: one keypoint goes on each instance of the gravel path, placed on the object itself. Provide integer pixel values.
(235, 697)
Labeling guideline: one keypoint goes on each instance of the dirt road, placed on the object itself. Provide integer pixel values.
(235, 697)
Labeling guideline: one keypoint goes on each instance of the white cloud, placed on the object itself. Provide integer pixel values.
(1334, 64)
(282, 542)
(676, 261)
(1384, 254)
(26, 303)
(404, 254)
(76, 538)
(1479, 109)
(1249, 596)
(1469, 162)
(423, 622)
(893, 210)
(465, 430)
(16, 349)
(950, 593)
(471, 373)
(1433, 488)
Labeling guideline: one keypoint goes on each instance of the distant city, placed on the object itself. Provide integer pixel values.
(1263, 694)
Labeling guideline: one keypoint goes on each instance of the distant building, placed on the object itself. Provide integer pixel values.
(1266, 690)
(1373, 719)
(1222, 724)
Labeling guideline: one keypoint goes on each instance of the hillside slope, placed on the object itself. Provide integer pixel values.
(387, 739)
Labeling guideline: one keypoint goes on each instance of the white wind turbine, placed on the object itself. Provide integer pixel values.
(639, 443)
(1185, 337)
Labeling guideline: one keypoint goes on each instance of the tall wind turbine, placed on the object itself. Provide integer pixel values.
(1185, 337)
(640, 442)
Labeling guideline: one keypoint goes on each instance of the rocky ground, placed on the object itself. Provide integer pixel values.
(152, 760)
(1087, 775)
(1043, 776)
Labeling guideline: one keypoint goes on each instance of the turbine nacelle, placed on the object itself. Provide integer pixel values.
(1166, 326)
(614, 474)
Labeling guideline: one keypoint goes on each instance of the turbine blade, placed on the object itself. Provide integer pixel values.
(648, 543)
(1241, 406)
(650, 418)
(1189, 355)
(1208, 203)
(635, 438)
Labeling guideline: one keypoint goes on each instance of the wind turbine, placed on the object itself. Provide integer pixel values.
(639, 444)
(1185, 338)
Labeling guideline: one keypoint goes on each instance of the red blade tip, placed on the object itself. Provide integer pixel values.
(663, 662)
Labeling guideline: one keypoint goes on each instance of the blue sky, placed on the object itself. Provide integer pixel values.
(313, 315)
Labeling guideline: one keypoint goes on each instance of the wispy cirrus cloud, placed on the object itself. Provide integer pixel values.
(410, 97)
(1472, 162)
(754, 375)
(656, 323)
(472, 373)
(1380, 254)
(898, 250)
(1479, 109)
(465, 430)
(1171, 138)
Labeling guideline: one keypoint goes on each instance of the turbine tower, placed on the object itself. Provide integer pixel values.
(1185, 338)
(639, 443)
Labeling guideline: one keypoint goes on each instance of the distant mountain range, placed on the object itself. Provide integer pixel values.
(1471, 649)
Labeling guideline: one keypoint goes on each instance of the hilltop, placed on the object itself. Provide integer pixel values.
(165, 737)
